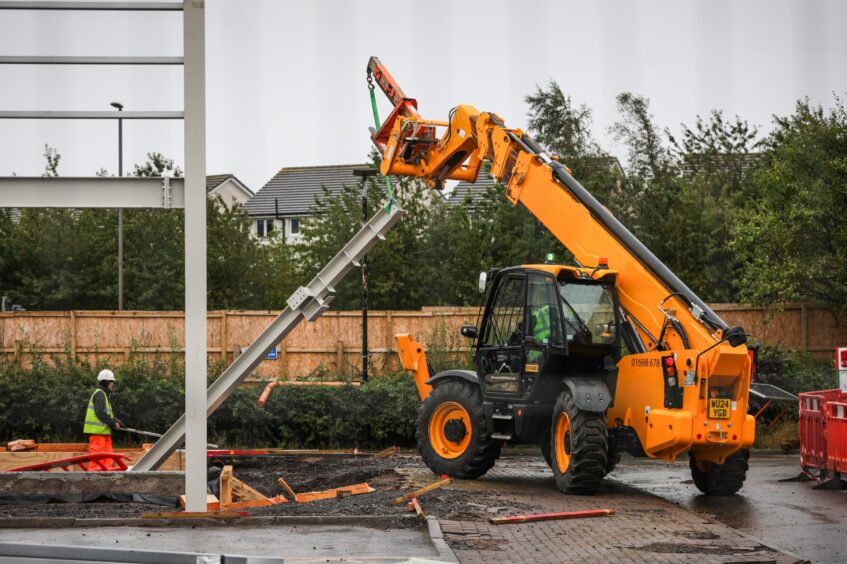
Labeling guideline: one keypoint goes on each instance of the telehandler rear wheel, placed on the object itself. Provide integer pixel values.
(578, 447)
(453, 437)
(720, 479)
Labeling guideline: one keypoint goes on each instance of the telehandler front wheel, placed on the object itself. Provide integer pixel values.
(720, 479)
(452, 433)
(578, 447)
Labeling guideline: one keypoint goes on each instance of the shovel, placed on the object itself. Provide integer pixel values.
(154, 435)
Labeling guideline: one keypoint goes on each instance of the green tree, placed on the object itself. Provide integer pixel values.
(52, 156)
(154, 249)
(396, 277)
(680, 196)
(792, 237)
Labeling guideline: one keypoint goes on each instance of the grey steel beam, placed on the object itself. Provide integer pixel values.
(307, 302)
(102, 6)
(196, 361)
(91, 115)
(38, 60)
(26, 553)
(91, 192)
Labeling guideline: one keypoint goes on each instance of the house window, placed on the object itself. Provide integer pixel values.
(264, 227)
(295, 226)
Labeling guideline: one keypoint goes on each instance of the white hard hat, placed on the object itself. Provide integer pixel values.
(106, 375)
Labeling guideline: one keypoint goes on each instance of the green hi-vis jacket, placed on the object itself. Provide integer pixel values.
(93, 424)
(541, 317)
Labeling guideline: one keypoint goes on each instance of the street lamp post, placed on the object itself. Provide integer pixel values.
(364, 174)
(120, 107)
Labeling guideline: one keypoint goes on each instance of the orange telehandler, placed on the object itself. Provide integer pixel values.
(613, 355)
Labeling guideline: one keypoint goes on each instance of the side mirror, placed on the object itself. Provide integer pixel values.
(469, 331)
(483, 280)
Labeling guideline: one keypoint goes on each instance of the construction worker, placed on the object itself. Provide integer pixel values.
(99, 418)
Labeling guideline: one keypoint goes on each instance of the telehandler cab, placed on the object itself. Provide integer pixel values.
(613, 355)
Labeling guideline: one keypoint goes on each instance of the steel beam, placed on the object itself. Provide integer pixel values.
(91, 192)
(101, 6)
(27, 60)
(30, 553)
(194, 89)
(307, 302)
(90, 115)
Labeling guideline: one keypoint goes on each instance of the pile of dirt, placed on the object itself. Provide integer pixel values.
(316, 473)
(390, 477)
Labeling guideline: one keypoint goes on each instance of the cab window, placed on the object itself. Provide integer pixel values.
(543, 313)
(505, 321)
(589, 312)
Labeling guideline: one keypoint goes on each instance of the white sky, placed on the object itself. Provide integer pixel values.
(286, 79)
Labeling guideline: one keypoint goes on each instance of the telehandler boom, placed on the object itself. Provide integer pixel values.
(613, 355)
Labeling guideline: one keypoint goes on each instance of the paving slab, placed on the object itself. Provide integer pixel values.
(787, 515)
(645, 528)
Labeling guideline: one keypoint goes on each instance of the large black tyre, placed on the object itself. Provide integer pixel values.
(545, 449)
(578, 447)
(720, 479)
(612, 459)
(453, 434)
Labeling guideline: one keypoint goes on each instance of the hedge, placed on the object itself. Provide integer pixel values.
(47, 402)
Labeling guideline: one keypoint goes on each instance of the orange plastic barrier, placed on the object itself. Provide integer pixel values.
(823, 431)
(835, 435)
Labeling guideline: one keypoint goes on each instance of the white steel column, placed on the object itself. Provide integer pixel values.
(195, 254)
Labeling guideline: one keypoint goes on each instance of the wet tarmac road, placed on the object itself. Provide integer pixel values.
(787, 515)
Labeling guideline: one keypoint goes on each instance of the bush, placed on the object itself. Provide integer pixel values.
(47, 402)
(795, 371)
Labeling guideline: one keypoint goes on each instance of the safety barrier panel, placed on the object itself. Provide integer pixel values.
(823, 430)
(835, 435)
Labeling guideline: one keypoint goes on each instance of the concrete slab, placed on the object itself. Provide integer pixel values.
(295, 543)
(92, 483)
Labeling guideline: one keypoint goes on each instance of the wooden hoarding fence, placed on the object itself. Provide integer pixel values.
(330, 344)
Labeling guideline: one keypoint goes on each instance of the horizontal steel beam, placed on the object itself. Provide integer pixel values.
(104, 6)
(91, 192)
(28, 60)
(91, 115)
(20, 553)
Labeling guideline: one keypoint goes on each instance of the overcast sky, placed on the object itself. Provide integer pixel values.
(286, 79)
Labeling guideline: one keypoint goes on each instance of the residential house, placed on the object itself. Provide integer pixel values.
(288, 198)
(230, 189)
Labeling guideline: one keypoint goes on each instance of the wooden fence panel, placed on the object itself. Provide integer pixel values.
(332, 344)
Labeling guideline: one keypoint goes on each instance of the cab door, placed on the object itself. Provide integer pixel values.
(545, 333)
(500, 353)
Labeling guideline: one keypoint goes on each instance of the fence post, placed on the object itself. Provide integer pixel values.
(388, 359)
(224, 344)
(804, 337)
(339, 357)
(73, 336)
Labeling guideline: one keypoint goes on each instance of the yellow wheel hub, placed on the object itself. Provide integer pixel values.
(450, 430)
(562, 442)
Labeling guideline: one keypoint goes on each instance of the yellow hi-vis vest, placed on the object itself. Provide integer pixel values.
(93, 425)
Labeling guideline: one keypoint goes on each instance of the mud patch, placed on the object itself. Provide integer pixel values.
(716, 549)
(699, 535)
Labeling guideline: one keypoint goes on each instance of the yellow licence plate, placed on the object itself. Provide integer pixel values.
(719, 408)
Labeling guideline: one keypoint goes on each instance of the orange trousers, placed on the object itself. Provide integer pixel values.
(100, 443)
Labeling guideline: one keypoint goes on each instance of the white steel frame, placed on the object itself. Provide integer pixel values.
(125, 192)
